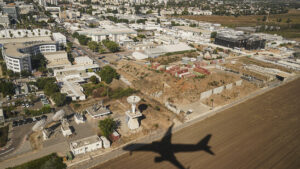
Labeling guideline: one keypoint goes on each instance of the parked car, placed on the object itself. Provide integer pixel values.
(105, 61)
(21, 122)
(101, 57)
(29, 120)
(15, 123)
(44, 117)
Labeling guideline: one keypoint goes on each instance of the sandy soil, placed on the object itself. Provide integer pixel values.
(188, 90)
(260, 133)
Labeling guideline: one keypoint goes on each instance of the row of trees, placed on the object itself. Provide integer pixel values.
(96, 47)
(111, 46)
(82, 39)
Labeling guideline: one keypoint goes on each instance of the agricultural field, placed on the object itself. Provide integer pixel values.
(288, 30)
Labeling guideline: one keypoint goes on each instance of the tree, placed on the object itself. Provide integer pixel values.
(279, 19)
(51, 88)
(94, 79)
(185, 12)
(75, 35)
(54, 162)
(111, 46)
(213, 35)
(25, 73)
(7, 88)
(107, 74)
(93, 45)
(107, 126)
(59, 98)
(1, 56)
(38, 61)
(83, 40)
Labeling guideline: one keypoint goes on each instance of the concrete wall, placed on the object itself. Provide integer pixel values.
(206, 94)
(238, 83)
(229, 86)
(218, 90)
(172, 108)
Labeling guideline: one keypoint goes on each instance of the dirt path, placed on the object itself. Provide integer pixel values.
(263, 132)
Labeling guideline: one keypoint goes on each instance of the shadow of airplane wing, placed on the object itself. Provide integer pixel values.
(169, 156)
(168, 135)
(139, 147)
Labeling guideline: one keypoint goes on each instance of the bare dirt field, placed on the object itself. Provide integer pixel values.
(160, 85)
(263, 132)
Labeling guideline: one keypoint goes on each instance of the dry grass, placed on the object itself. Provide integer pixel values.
(254, 20)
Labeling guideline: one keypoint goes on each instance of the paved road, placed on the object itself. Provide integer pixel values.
(18, 134)
(263, 132)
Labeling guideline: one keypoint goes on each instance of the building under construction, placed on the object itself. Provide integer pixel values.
(249, 42)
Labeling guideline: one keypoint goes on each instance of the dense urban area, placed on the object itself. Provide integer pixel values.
(81, 81)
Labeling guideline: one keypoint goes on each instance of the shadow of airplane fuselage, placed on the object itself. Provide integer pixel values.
(166, 150)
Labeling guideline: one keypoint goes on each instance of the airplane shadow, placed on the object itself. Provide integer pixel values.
(167, 150)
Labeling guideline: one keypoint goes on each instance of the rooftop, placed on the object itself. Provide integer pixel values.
(85, 141)
(13, 49)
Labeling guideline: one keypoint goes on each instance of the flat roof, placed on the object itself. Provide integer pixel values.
(25, 39)
(98, 31)
(85, 141)
(191, 29)
(12, 49)
(100, 112)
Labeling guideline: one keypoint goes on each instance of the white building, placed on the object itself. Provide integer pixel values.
(57, 60)
(65, 128)
(106, 143)
(4, 20)
(83, 60)
(116, 34)
(17, 55)
(163, 49)
(79, 118)
(2, 119)
(59, 38)
(85, 145)
(71, 77)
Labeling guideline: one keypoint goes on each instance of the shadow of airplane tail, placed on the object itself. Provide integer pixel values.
(203, 144)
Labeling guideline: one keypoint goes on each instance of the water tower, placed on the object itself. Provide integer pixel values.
(133, 114)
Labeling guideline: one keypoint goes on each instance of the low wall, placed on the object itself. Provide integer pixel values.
(238, 83)
(172, 107)
(206, 94)
(229, 86)
(218, 90)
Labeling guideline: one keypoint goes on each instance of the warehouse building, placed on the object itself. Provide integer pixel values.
(248, 42)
